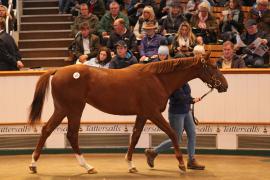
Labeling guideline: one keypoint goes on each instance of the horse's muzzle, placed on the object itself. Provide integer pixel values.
(222, 88)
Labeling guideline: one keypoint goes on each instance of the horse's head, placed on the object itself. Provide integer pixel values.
(211, 75)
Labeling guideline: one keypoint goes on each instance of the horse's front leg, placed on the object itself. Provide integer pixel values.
(137, 130)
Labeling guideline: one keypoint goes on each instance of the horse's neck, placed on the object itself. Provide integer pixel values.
(176, 79)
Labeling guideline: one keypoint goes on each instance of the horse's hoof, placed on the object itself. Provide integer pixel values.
(133, 170)
(92, 171)
(33, 169)
(182, 167)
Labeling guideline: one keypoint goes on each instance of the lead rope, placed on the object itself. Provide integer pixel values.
(196, 121)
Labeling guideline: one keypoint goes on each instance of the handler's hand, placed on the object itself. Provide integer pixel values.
(196, 100)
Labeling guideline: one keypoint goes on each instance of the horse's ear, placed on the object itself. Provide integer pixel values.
(207, 55)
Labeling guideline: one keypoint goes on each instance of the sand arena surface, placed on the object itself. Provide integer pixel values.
(113, 167)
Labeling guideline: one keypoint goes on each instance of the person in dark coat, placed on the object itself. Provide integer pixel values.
(180, 118)
(10, 58)
(123, 57)
(229, 58)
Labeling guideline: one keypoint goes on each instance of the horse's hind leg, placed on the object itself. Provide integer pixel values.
(74, 117)
(164, 126)
(47, 129)
(137, 130)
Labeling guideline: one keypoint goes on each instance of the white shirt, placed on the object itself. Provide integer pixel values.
(86, 46)
(94, 62)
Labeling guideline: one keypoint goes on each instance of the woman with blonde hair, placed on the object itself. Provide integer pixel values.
(204, 23)
(148, 15)
(184, 41)
(4, 14)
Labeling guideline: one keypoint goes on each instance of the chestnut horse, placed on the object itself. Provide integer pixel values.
(142, 90)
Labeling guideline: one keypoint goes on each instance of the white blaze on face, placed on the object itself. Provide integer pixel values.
(76, 75)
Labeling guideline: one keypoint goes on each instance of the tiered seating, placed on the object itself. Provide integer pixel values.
(216, 51)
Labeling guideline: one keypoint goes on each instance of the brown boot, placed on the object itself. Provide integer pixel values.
(193, 164)
(150, 155)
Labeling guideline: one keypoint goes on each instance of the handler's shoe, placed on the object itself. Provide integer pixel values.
(193, 164)
(150, 155)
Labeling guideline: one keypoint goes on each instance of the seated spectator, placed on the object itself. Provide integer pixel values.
(259, 10)
(85, 16)
(10, 58)
(122, 33)
(248, 2)
(64, 6)
(252, 33)
(261, 13)
(86, 44)
(229, 58)
(147, 16)
(102, 60)
(135, 9)
(183, 42)
(220, 3)
(97, 7)
(171, 22)
(199, 48)
(205, 24)
(192, 5)
(164, 7)
(150, 44)
(232, 18)
(105, 25)
(163, 53)
(4, 14)
(123, 58)
(120, 2)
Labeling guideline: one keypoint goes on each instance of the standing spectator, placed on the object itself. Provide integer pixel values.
(122, 33)
(10, 58)
(150, 44)
(171, 23)
(205, 24)
(105, 25)
(123, 58)
(85, 16)
(180, 119)
(183, 42)
(86, 44)
(148, 16)
(229, 58)
(102, 60)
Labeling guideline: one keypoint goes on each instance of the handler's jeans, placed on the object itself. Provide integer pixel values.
(179, 122)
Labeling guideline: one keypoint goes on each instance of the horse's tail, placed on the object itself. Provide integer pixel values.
(38, 101)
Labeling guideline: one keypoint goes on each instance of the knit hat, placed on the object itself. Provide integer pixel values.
(163, 50)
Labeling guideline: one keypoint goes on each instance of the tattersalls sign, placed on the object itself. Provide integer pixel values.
(226, 135)
(127, 128)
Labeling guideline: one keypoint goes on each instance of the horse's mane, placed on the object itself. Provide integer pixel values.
(167, 66)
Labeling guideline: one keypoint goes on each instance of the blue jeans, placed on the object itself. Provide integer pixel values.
(180, 122)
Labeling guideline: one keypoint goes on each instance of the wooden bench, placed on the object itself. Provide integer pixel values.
(216, 51)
